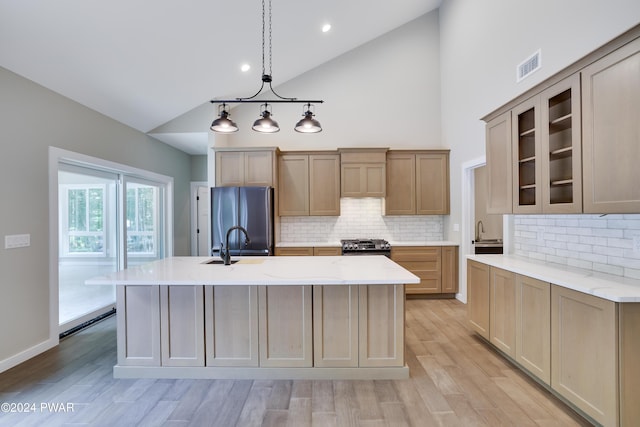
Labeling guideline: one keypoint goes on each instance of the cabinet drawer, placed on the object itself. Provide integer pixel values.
(294, 251)
(417, 254)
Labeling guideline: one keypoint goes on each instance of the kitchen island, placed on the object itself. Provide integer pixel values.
(284, 317)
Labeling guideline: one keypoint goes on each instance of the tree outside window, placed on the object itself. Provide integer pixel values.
(85, 234)
(141, 220)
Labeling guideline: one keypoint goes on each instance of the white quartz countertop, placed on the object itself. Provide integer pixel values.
(280, 270)
(607, 286)
(393, 243)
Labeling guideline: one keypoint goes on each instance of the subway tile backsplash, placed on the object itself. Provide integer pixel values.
(361, 218)
(608, 244)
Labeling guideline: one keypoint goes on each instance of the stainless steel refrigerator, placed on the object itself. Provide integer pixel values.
(248, 207)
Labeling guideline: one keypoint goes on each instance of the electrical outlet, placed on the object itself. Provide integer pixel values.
(636, 243)
(17, 241)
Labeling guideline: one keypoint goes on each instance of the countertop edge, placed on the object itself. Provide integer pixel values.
(602, 285)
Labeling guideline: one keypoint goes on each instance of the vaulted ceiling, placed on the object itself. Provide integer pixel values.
(143, 63)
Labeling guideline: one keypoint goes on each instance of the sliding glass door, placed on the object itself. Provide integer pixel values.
(107, 221)
(88, 242)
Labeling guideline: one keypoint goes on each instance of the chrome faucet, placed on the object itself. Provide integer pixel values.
(479, 226)
(226, 254)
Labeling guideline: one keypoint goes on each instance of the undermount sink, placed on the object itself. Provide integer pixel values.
(488, 246)
(219, 261)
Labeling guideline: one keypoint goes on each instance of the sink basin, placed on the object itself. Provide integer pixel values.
(219, 261)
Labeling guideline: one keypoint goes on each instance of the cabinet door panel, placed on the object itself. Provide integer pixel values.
(182, 325)
(138, 325)
(293, 198)
(432, 184)
(478, 278)
(324, 184)
(449, 275)
(584, 356)
(285, 326)
(335, 326)
(258, 169)
(374, 180)
(231, 325)
(230, 168)
(502, 320)
(533, 326)
(401, 179)
(561, 147)
(527, 162)
(381, 325)
(499, 176)
(611, 101)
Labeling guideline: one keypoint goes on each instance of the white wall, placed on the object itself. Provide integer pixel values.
(385, 93)
(33, 118)
(481, 43)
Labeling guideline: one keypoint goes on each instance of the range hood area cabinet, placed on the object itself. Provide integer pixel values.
(309, 183)
(570, 144)
(363, 172)
(246, 167)
(417, 182)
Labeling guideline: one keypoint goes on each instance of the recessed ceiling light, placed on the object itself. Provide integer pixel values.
(245, 67)
(326, 28)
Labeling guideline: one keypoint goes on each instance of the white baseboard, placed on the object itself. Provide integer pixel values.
(27, 354)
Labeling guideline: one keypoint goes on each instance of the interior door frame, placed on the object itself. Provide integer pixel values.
(56, 157)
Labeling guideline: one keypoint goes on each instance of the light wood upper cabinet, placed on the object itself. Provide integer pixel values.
(561, 147)
(611, 132)
(309, 184)
(570, 144)
(363, 172)
(498, 152)
(417, 183)
(248, 167)
(526, 157)
(432, 183)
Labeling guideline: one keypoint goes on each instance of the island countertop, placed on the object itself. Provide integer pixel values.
(280, 270)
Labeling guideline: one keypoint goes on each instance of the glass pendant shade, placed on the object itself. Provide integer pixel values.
(266, 124)
(308, 124)
(224, 124)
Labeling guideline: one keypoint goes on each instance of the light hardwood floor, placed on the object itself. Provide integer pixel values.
(456, 380)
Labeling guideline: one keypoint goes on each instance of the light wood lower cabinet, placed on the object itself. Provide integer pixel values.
(436, 266)
(294, 251)
(138, 325)
(533, 326)
(381, 325)
(182, 325)
(584, 356)
(327, 251)
(335, 326)
(502, 317)
(285, 326)
(478, 278)
(231, 325)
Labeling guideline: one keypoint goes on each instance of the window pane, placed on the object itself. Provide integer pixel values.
(146, 209)
(96, 209)
(85, 244)
(131, 209)
(140, 244)
(77, 210)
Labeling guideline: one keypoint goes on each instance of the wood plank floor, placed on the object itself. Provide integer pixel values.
(456, 380)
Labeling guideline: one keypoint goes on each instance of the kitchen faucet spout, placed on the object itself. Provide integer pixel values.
(479, 229)
(225, 254)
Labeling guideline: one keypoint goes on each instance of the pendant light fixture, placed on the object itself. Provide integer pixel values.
(308, 124)
(265, 124)
(223, 124)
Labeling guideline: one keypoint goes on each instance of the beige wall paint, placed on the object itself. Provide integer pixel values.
(33, 118)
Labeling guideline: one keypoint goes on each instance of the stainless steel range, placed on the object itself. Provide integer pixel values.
(366, 247)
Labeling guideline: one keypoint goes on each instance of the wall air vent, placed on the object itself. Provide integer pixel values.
(528, 66)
